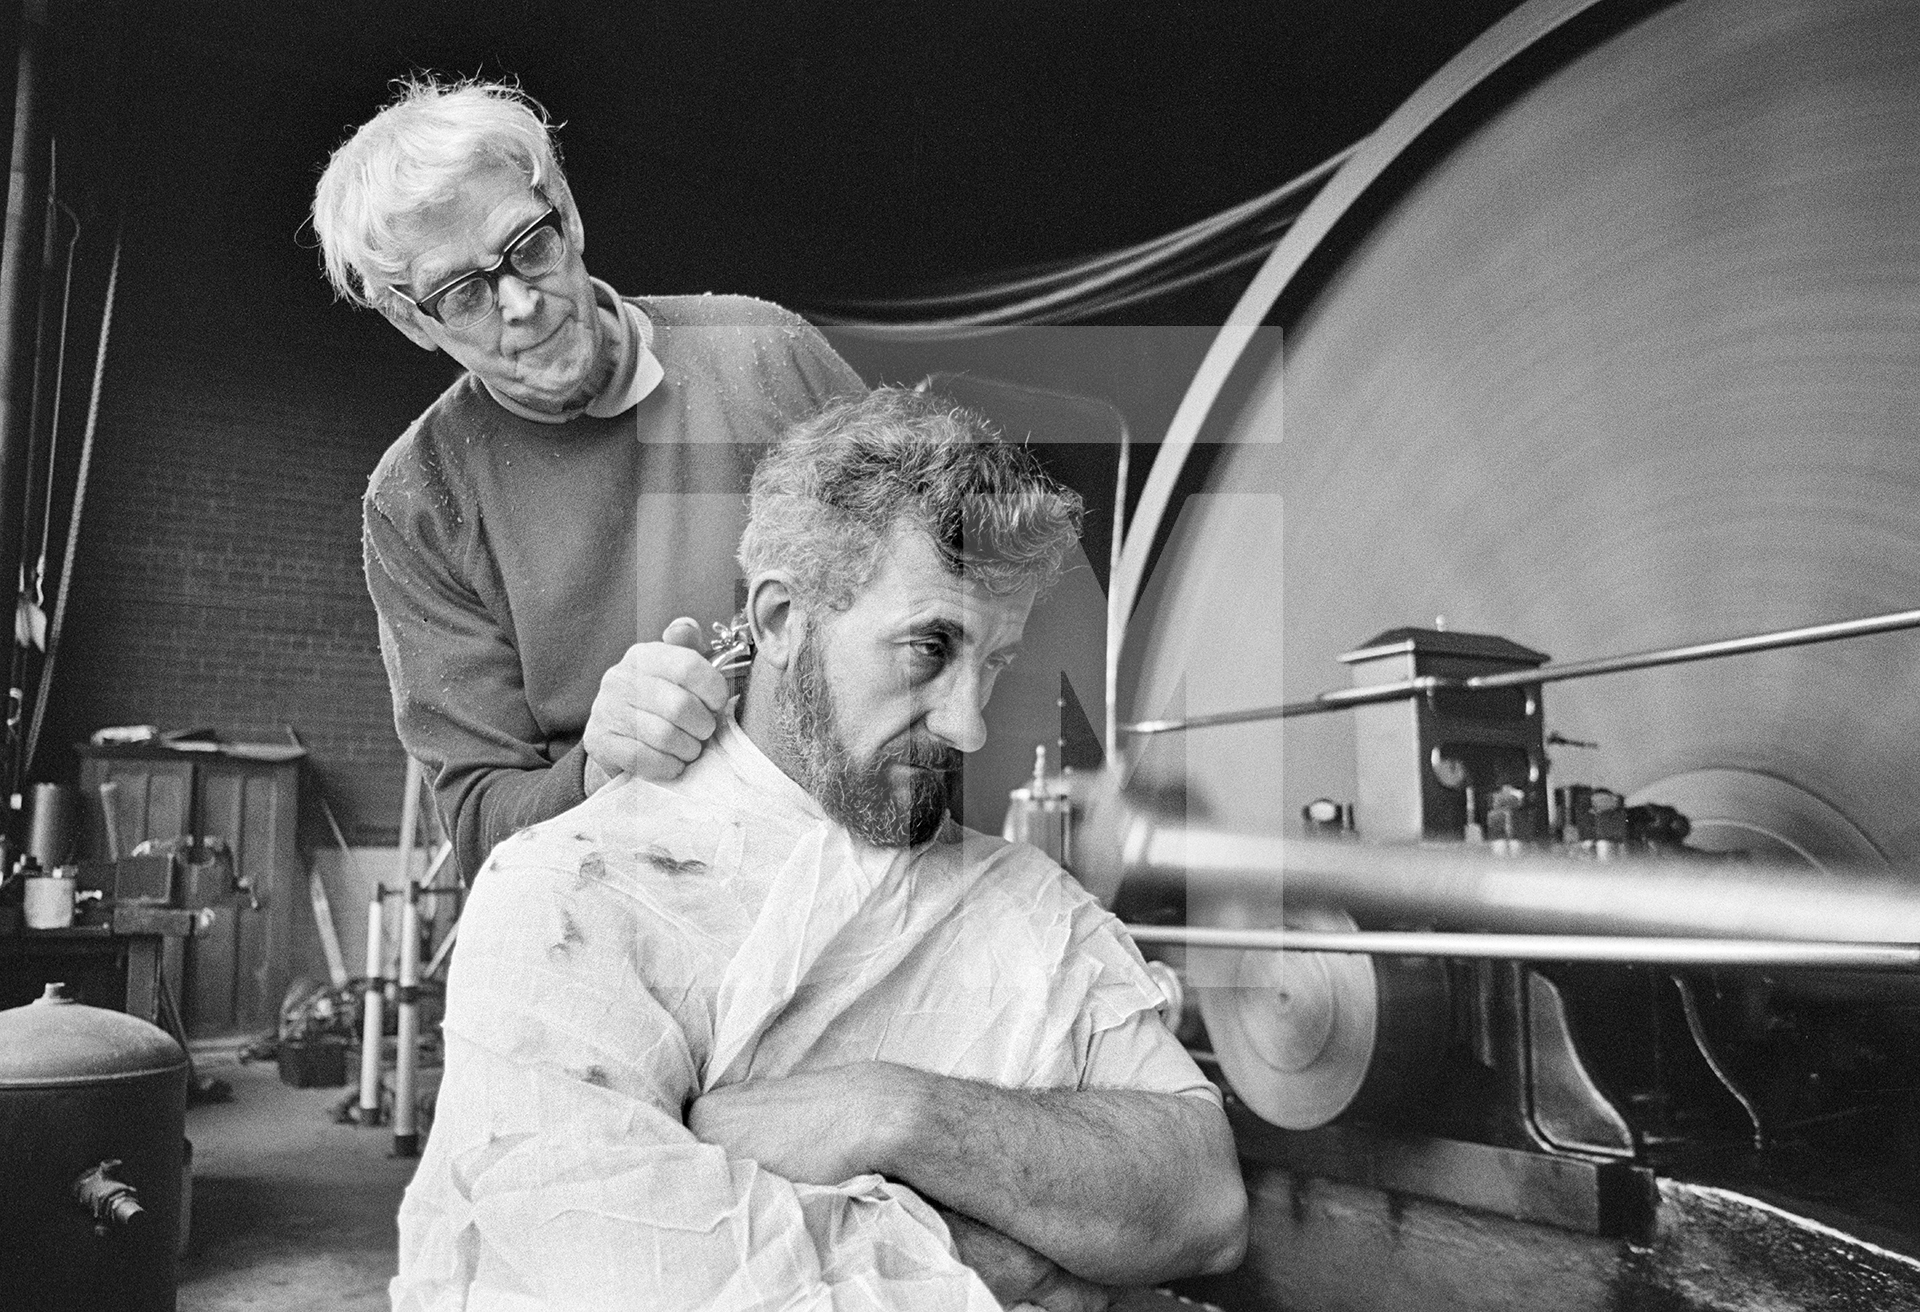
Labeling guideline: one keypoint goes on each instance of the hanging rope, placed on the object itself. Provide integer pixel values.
(73, 522)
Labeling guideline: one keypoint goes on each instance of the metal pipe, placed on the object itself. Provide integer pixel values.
(1341, 699)
(372, 1014)
(406, 1142)
(1547, 947)
(409, 826)
(1471, 889)
(406, 1061)
(19, 273)
(441, 953)
(1116, 609)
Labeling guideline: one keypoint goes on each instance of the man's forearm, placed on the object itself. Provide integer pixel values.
(1117, 1186)
(490, 805)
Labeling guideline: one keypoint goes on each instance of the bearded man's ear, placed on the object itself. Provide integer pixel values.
(776, 616)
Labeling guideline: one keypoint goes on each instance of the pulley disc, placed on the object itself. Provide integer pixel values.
(1304, 1037)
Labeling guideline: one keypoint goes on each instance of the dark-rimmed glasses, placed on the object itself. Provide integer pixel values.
(535, 251)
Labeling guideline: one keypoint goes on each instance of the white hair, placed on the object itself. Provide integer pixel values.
(415, 153)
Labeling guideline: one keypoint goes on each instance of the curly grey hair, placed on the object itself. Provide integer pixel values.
(828, 497)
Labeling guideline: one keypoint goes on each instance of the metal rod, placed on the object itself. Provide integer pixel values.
(1341, 699)
(317, 888)
(409, 825)
(406, 1057)
(75, 512)
(323, 922)
(1547, 947)
(1775, 640)
(406, 1061)
(19, 343)
(373, 1019)
(441, 953)
(1117, 608)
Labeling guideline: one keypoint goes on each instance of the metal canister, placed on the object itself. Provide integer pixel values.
(1041, 813)
(48, 899)
(50, 825)
(92, 1113)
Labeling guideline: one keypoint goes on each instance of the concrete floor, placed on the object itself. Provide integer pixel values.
(290, 1211)
(295, 1213)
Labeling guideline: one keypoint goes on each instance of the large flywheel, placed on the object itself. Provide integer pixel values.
(1608, 340)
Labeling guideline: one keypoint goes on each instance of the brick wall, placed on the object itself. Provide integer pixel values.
(217, 581)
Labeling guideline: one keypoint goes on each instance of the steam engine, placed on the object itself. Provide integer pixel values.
(1585, 984)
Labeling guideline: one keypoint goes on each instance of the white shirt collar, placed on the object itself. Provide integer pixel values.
(634, 377)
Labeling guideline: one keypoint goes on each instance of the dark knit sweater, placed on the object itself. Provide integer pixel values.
(513, 562)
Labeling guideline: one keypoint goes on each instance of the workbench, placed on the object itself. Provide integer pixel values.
(118, 963)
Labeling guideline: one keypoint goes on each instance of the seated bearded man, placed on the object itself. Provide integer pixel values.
(779, 1033)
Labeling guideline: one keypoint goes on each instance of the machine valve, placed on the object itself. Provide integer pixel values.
(108, 1199)
(1509, 823)
(1326, 818)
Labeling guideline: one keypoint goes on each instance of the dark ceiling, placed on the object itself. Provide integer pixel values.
(800, 150)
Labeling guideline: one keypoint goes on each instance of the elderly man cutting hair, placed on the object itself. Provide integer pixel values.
(779, 1033)
(534, 535)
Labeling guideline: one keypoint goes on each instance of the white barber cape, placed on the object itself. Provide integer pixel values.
(658, 942)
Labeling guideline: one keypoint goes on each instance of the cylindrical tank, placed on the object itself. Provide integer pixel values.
(92, 1109)
(50, 833)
